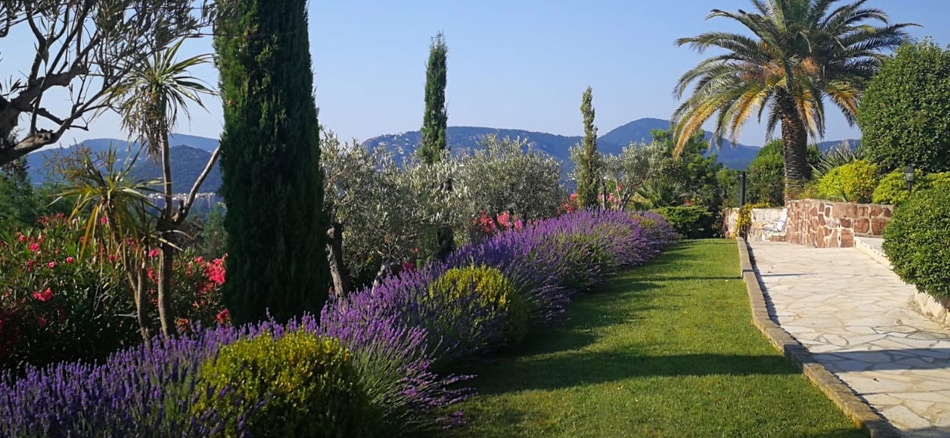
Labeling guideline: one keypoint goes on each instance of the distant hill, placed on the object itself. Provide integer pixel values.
(465, 137)
(189, 154)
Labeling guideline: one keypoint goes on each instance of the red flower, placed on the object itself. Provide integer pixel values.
(51, 265)
(223, 316)
(69, 260)
(154, 252)
(34, 247)
(43, 295)
(22, 238)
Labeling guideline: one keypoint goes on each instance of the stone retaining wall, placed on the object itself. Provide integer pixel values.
(827, 224)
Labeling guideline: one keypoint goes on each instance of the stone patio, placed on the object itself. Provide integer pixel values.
(855, 316)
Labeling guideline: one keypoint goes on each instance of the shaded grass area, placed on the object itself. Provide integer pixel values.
(665, 350)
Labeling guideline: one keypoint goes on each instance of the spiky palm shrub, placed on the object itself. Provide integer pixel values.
(270, 162)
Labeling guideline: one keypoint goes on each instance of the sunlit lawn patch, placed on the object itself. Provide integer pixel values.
(665, 350)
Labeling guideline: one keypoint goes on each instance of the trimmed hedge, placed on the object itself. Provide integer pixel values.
(916, 240)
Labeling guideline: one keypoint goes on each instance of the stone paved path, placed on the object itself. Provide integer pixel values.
(855, 316)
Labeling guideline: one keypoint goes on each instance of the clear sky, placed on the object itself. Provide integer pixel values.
(519, 64)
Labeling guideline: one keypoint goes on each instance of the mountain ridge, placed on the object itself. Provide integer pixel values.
(190, 153)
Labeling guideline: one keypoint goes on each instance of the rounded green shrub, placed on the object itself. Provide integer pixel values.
(893, 187)
(852, 182)
(689, 221)
(915, 240)
(307, 385)
(496, 294)
(903, 110)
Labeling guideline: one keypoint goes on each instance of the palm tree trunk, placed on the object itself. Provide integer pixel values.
(794, 144)
(165, 229)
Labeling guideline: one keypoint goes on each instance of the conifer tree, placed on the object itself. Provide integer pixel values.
(588, 160)
(436, 117)
(272, 182)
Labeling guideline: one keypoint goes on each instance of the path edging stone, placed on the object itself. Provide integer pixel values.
(853, 406)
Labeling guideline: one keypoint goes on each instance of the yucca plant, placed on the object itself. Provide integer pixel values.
(114, 207)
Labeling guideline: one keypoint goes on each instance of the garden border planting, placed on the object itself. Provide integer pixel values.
(853, 406)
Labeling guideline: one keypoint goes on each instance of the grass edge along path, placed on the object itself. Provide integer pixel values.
(667, 350)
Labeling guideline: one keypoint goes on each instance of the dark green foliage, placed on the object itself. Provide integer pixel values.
(214, 238)
(689, 221)
(309, 386)
(915, 240)
(903, 115)
(19, 206)
(766, 177)
(497, 295)
(694, 172)
(271, 179)
(436, 117)
(588, 164)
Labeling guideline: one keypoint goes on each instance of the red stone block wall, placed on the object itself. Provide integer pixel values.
(827, 224)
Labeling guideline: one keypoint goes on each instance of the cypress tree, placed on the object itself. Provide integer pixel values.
(588, 165)
(436, 118)
(272, 183)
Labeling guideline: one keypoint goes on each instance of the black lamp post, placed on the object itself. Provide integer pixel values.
(741, 189)
(909, 177)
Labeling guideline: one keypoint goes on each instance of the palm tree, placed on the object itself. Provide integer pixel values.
(149, 100)
(801, 52)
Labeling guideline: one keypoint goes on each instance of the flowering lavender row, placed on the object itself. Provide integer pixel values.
(398, 333)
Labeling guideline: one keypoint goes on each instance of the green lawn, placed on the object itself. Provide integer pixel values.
(665, 350)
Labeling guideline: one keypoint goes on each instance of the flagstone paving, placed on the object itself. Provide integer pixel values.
(855, 316)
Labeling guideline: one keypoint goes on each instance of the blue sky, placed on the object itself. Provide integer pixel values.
(512, 64)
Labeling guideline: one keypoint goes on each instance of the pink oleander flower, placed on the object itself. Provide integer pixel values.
(43, 296)
(70, 260)
(34, 247)
(51, 265)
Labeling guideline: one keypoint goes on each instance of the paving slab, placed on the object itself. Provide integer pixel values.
(855, 316)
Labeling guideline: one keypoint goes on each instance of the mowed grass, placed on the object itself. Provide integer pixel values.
(667, 350)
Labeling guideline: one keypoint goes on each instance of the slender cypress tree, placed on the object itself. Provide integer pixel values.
(270, 154)
(436, 118)
(588, 164)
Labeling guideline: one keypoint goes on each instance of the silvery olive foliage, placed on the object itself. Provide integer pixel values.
(509, 175)
(387, 209)
(631, 168)
(390, 210)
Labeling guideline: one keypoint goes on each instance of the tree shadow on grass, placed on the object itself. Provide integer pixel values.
(590, 368)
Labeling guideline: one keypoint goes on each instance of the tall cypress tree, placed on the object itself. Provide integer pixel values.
(270, 154)
(436, 118)
(588, 165)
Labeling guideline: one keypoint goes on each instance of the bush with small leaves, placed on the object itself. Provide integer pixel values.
(308, 385)
(852, 182)
(689, 221)
(495, 293)
(915, 240)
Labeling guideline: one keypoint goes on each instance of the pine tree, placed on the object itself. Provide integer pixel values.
(272, 183)
(588, 163)
(436, 117)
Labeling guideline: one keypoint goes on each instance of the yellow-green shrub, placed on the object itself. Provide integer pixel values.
(852, 182)
(893, 187)
(495, 294)
(307, 385)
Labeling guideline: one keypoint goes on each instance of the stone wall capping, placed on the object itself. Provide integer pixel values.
(853, 406)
